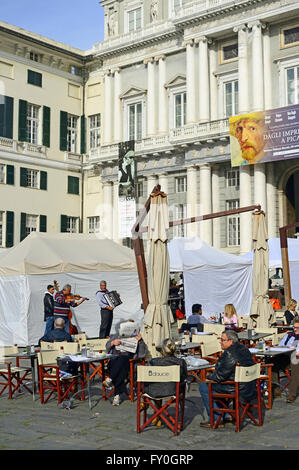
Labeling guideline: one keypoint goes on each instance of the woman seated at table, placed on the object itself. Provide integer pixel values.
(119, 364)
(290, 312)
(230, 318)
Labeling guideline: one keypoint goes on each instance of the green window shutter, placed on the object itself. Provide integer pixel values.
(9, 229)
(43, 180)
(23, 226)
(63, 130)
(63, 223)
(46, 125)
(83, 134)
(35, 78)
(10, 174)
(42, 223)
(23, 107)
(73, 185)
(6, 117)
(23, 177)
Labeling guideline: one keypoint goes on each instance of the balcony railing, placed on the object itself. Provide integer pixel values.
(22, 147)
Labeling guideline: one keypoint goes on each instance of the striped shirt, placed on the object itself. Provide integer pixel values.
(61, 308)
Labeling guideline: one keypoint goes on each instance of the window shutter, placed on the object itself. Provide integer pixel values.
(10, 174)
(23, 177)
(23, 226)
(42, 223)
(73, 185)
(63, 223)
(83, 134)
(9, 229)
(63, 130)
(46, 125)
(23, 120)
(43, 180)
(6, 117)
(34, 78)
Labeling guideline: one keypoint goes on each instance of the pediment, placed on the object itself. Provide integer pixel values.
(178, 80)
(133, 91)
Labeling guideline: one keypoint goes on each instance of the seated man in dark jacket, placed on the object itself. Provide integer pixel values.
(233, 353)
(58, 334)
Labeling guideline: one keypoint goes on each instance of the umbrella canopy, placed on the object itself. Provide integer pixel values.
(158, 317)
(261, 312)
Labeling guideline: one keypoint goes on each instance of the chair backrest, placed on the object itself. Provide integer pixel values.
(46, 346)
(158, 373)
(243, 321)
(69, 348)
(203, 338)
(180, 322)
(97, 344)
(277, 338)
(6, 350)
(213, 328)
(271, 331)
(80, 337)
(209, 348)
(247, 374)
(47, 357)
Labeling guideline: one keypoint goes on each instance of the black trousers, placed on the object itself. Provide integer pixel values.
(118, 368)
(106, 322)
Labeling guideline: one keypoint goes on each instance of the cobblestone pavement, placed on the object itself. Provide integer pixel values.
(25, 424)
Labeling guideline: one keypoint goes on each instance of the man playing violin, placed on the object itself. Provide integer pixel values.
(63, 302)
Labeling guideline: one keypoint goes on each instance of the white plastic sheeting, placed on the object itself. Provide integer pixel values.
(212, 277)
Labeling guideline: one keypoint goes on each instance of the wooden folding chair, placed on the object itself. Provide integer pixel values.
(97, 345)
(211, 350)
(49, 379)
(12, 377)
(232, 403)
(146, 374)
(213, 328)
(131, 379)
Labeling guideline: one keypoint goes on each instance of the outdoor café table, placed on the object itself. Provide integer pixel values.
(85, 361)
(33, 358)
(193, 371)
(243, 336)
(271, 352)
(189, 346)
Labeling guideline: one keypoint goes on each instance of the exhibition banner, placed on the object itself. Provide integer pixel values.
(126, 188)
(264, 136)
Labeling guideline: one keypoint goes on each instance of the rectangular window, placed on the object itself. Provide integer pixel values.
(178, 4)
(233, 224)
(34, 78)
(1, 228)
(290, 36)
(93, 224)
(72, 133)
(74, 70)
(232, 178)
(231, 96)
(180, 213)
(72, 225)
(95, 131)
(181, 184)
(180, 102)
(139, 189)
(135, 121)
(228, 52)
(32, 178)
(2, 173)
(292, 85)
(33, 124)
(34, 56)
(31, 223)
(134, 20)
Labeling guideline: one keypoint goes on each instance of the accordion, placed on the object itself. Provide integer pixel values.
(112, 299)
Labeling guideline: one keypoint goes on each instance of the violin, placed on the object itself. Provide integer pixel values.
(74, 297)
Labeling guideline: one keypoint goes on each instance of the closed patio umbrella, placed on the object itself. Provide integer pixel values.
(158, 317)
(261, 312)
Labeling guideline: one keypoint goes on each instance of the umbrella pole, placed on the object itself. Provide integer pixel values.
(285, 264)
(141, 269)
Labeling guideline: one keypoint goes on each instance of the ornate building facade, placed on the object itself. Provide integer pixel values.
(168, 75)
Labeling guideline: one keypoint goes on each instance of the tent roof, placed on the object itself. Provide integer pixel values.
(192, 253)
(275, 252)
(45, 253)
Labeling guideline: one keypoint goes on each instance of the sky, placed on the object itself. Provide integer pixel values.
(77, 23)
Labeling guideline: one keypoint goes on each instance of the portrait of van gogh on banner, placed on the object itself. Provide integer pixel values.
(264, 136)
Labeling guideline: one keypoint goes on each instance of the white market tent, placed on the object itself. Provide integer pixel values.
(77, 259)
(212, 277)
(275, 260)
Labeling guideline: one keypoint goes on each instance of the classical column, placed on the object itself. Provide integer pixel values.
(190, 81)
(108, 127)
(267, 69)
(192, 204)
(107, 209)
(163, 98)
(205, 202)
(213, 83)
(163, 182)
(260, 195)
(246, 217)
(243, 68)
(204, 85)
(257, 68)
(152, 181)
(216, 206)
(117, 106)
(115, 212)
(151, 97)
(271, 201)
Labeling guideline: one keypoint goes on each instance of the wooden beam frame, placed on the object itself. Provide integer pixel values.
(283, 233)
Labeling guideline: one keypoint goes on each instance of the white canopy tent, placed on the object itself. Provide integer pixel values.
(212, 277)
(275, 260)
(80, 260)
